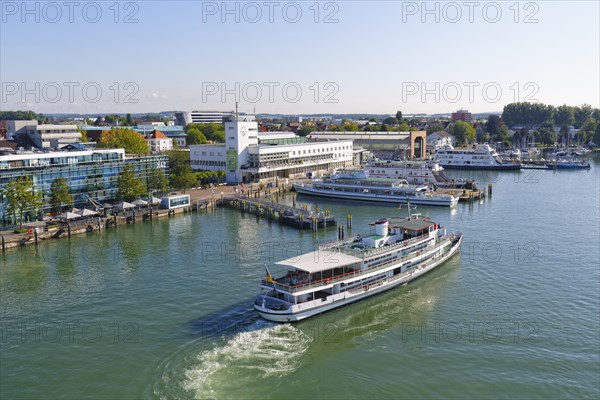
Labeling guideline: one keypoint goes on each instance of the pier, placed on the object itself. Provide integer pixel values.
(301, 218)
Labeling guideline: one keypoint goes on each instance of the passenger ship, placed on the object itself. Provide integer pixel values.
(357, 185)
(427, 172)
(342, 272)
(481, 156)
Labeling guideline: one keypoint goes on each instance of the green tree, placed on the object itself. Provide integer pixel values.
(564, 133)
(129, 186)
(129, 121)
(502, 134)
(59, 194)
(391, 121)
(399, 115)
(194, 136)
(432, 128)
(213, 132)
(178, 159)
(157, 182)
(565, 115)
(21, 197)
(463, 132)
(526, 114)
(582, 114)
(588, 129)
(547, 136)
(596, 138)
(184, 179)
(349, 127)
(404, 127)
(306, 130)
(121, 138)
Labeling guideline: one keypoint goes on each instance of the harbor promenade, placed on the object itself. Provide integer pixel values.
(200, 200)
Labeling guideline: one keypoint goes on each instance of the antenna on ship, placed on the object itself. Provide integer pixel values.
(408, 206)
(236, 110)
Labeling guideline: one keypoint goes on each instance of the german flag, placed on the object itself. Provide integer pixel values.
(269, 276)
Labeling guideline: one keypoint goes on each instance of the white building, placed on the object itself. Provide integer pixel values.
(201, 117)
(53, 136)
(158, 142)
(44, 136)
(19, 127)
(248, 155)
(438, 139)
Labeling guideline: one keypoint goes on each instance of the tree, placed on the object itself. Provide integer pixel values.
(399, 115)
(432, 128)
(493, 123)
(194, 136)
(306, 130)
(129, 121)
(184, 179)
(349, 127)
(391, 121)
(129, 186)
(596, 138)
(213, 132)
(21, 197)
(526, 114)
(564, 134)
(59, 194)
(157, 182)
(404, 127)
(547, 137)
(502, 134)
(582, 114)
(463, 132)
(178, 159)
(19, 115)
(564, 115)
(127, 139)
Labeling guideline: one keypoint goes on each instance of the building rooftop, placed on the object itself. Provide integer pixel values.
(156, 134)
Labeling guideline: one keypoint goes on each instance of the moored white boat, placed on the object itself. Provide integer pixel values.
(343, 272)
(357, 185)
(417, 172)
(481, 156)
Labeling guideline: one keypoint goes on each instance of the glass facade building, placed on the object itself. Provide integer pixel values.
(91, 174)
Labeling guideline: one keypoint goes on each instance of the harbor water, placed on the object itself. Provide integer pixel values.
(163, 308)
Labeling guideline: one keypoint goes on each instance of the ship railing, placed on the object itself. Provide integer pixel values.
(398, 245)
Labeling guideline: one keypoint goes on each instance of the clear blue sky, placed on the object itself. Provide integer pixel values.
(378, 57)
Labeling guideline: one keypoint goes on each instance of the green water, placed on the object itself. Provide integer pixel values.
(164, 308)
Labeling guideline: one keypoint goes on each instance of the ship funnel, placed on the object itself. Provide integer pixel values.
(381, 227)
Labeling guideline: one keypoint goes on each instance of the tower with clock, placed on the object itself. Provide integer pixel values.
(241, 131)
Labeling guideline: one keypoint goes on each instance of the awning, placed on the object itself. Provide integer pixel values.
(317, 261)
(68, 216)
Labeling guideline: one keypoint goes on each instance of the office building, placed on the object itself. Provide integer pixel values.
(250, 156)
(462, 115)
(91, 174)
(201, 117)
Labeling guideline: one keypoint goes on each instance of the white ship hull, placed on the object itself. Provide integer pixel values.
(426, 201)
(344, 298)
